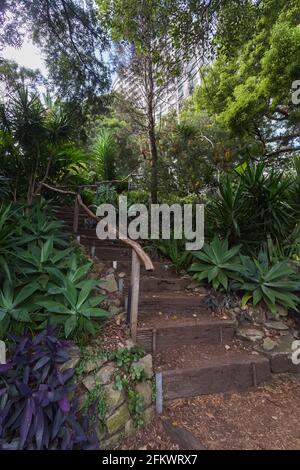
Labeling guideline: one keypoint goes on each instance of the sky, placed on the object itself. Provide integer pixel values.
(27, 56)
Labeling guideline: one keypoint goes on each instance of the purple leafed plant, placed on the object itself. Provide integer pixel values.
(36, 406)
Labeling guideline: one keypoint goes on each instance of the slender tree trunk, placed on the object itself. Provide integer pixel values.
(152, 131)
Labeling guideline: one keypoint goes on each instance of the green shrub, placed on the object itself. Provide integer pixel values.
(274, 285)
(175, 250)
(218, 264)
(250, 207)
(41, 282)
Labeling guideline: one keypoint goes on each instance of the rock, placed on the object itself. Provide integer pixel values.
(110, 284)
(117, 421)
(98, 267)
(145, 389)
(116, 302)
(129, 344)
(193, 285)
(236, 310)
(259, 316)
(269, 344)
(89, 382)
(114, 310)
(103, 376)
(105, 373)
(244, 316)
(129, 428)
(120, 317)
(111, 442)
(149, 414)
(92, 365)
(272, 316)
(114, 398)
(71, 364)
(283, 312)
(296, 334)
(276, 325)
(250, 334)
(227, 347)
(2, 353)
(93, 276)
(146, 363)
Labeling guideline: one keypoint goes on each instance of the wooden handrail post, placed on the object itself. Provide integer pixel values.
(135, 291)
(76, 215)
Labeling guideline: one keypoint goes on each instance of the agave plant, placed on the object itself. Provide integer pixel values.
(274, 285)
(38, 224)
(216, 263)
(74, 307)
(16, 305)
(38, 258)
(37, 410)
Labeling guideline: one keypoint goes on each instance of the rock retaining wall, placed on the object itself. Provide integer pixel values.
(121, 411)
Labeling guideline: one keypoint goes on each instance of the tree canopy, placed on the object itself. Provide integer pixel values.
(249, 86)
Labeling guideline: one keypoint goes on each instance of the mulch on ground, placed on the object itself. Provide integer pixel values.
(152, 437)
(263, 419)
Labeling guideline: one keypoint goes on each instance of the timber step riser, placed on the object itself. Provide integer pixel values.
(174, 306)
(156, 340)
(215, 378)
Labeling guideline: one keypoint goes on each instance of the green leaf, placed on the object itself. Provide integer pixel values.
(257, 296)
(70, 325)
(246, 297)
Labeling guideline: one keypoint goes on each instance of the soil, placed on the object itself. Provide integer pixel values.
(152, 437)
(159, 319)
(263, 419)
(193, 356)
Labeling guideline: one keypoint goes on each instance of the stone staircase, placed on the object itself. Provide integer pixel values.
(195, 351)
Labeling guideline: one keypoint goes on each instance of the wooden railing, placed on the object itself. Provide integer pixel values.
(138, 254)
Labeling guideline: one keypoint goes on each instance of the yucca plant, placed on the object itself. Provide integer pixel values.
(225, 210)
(216, 263)
(274, 285)
(175, 250)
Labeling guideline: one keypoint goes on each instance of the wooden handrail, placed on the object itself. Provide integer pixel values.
(138, 255)
(144, 258)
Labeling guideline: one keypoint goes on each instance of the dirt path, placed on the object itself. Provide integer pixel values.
(263, 419)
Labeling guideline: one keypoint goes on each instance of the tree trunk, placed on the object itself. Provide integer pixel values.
(152, 132)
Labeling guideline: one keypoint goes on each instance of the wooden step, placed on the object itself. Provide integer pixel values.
(204, 332)
(157, 284)
(172, 303)
(233, 373)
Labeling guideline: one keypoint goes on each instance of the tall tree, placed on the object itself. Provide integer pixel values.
(249, 86)
(71, 40)
(151, 36)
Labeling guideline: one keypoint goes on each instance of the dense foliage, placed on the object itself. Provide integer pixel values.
(42, 279)
(37, 401)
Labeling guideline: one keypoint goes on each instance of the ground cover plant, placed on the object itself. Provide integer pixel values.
(38, 409)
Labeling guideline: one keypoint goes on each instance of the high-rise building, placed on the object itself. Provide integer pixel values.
(171, 95)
